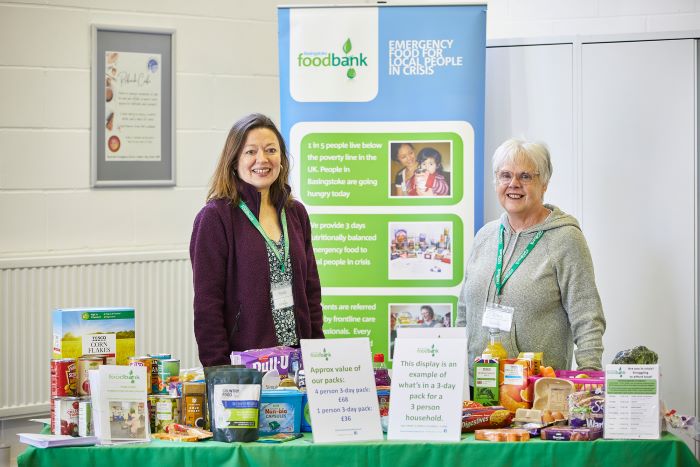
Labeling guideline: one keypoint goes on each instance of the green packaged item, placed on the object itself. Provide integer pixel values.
(234, 401)
(486, 380)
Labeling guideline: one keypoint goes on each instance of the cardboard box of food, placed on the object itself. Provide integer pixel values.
(109, 332)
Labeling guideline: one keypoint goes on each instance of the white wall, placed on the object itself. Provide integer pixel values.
(226, 58)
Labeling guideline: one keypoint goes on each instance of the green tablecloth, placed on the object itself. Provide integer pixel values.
(667, 451)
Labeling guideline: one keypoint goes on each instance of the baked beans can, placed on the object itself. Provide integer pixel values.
(146, 362)
(64, 415)
(85, 427)
(166, 410)
(63, 377)
(85, 364)
(169, 372)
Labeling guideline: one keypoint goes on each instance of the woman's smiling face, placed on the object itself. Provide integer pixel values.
(406, 156)
(516, 197)
(260, 160)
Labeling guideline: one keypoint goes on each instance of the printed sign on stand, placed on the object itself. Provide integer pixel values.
(632, 402)
(342, 395)
(426, 389)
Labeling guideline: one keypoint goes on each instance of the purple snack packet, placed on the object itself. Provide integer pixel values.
(587, 409)
(264, 360)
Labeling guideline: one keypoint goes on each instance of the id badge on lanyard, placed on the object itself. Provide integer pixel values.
(282, 297)
(497, 316)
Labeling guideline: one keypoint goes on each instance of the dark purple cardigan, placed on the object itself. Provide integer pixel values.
(232, 279)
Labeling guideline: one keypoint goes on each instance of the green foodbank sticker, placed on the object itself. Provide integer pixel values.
(375, 250)
(357, 169)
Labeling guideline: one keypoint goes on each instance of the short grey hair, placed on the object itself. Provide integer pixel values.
(515, 149)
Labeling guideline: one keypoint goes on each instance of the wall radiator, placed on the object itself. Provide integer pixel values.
(157, 286)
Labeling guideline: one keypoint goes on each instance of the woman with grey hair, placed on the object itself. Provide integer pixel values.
(529, 276)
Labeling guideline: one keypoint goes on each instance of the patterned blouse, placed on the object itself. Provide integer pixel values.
(285, 324)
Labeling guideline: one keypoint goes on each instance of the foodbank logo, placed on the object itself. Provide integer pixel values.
(432, 350)
(347, 61)
(130, 377)
(325, 354)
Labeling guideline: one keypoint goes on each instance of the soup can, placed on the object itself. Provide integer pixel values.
(63, 377)
(64, 415)
(169, 372)
(146, 362)
(85, 427)
(85, 364)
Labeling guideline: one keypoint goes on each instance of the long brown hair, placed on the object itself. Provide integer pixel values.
(224, 182)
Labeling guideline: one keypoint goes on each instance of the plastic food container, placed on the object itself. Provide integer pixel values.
(280, 412)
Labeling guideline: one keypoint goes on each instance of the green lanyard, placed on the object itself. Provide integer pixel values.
(273, 247)
(499, 259)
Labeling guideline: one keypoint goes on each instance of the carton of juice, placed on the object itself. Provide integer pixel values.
(486, 380)
(513, 390)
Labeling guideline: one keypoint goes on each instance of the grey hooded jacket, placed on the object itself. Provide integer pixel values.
(553, 293)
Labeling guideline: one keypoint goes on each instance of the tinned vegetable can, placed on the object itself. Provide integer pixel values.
(64, 415)
(155, 370)
(85, 364)
(63, 377)
(85, 427)
(169, 372)
(167, 411)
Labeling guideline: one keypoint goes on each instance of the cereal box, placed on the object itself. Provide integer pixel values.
(108, 332)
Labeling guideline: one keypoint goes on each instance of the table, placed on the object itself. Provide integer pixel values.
(667, 451)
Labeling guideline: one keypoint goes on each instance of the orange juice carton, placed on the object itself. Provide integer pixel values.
(536, 358)
(513, 390)
(486, 380)
(105, 332)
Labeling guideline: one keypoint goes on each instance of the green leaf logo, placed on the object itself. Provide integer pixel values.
(351, 73)
(347, 47)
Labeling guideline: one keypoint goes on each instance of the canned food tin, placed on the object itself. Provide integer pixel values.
(64, 415)
(63, 377)
(146, 362)
(167, 411)
(85, 418)
(169, 372)
(155, 370)
(85, 364)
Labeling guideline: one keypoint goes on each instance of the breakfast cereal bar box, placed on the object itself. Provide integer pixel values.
(106, 332)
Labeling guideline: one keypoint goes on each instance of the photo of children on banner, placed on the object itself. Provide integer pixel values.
(417, 315)
(419, 168)
(420, 250)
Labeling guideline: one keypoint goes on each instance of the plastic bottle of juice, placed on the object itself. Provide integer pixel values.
(381, 373)
(495, 347)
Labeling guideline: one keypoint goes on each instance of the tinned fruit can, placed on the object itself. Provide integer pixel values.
(63, 377)
(85, 364)
(64, 415)
(85, 427)
(147, 363)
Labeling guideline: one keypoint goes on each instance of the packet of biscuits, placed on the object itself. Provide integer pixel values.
(177, 432)
(475, 416)
(502, 434)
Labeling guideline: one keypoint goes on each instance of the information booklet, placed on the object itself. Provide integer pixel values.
(119, 409)
(49, 441)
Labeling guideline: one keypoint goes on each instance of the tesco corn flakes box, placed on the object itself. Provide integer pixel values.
(108, 332)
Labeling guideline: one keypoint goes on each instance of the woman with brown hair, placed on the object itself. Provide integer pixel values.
(256, 284)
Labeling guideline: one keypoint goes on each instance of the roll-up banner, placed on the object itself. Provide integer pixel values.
(383, 110)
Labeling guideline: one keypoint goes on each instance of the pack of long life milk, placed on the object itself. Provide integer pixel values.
(108, 332)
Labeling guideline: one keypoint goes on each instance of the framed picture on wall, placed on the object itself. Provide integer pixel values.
(133, 111)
